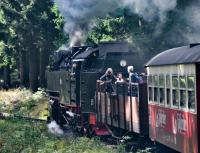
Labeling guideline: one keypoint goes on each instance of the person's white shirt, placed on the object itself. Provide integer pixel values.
(120, 80)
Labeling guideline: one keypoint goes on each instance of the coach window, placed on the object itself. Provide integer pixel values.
(150, 80)
(150, 94)
(161, 89)
(155, 81)
(191, 92)
(175, 91)
(191, 84)
(168, 90)
(150, 87)
(182, 82)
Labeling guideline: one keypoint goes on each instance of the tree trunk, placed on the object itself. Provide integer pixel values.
(34, 68)
(44, 60)
(6, 76)
(23, 66)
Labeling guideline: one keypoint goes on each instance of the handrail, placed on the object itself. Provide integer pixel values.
(131, 89)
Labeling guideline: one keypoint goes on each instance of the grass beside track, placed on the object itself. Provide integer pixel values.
(33, 137)
(22, 102)
(20, 136)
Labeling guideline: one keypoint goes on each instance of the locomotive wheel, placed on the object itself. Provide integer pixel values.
(79, 131)
(90, 132)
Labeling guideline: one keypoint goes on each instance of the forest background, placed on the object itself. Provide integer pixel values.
(32, 30)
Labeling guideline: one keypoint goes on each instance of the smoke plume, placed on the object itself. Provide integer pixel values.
(192, 18)
(150, 9)
(79, 14)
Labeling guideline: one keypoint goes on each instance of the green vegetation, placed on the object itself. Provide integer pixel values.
(109, 29)
(29, 137)
(25, 103)
(33, 137)
(29, 30)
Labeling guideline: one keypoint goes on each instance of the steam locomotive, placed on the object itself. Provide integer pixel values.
(165, 108)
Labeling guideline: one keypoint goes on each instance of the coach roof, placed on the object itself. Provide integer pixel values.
(180, 55)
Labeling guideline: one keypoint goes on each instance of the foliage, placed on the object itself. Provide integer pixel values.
(108, 29)
(39, 19)
(25, 103)
(125, 26)
(29, 137)
(22, 136)
(29, 25)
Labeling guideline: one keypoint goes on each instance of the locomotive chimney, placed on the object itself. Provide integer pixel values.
(76, 38)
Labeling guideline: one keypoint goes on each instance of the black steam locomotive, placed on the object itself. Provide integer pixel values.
(72, 85)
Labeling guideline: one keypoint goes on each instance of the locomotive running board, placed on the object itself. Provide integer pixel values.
(101, 131)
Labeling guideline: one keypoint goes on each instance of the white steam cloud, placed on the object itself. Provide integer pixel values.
(192, 17)
(150, 9)
(79, 14)
(54, 128)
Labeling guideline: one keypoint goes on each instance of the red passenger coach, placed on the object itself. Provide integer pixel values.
(174, 98)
